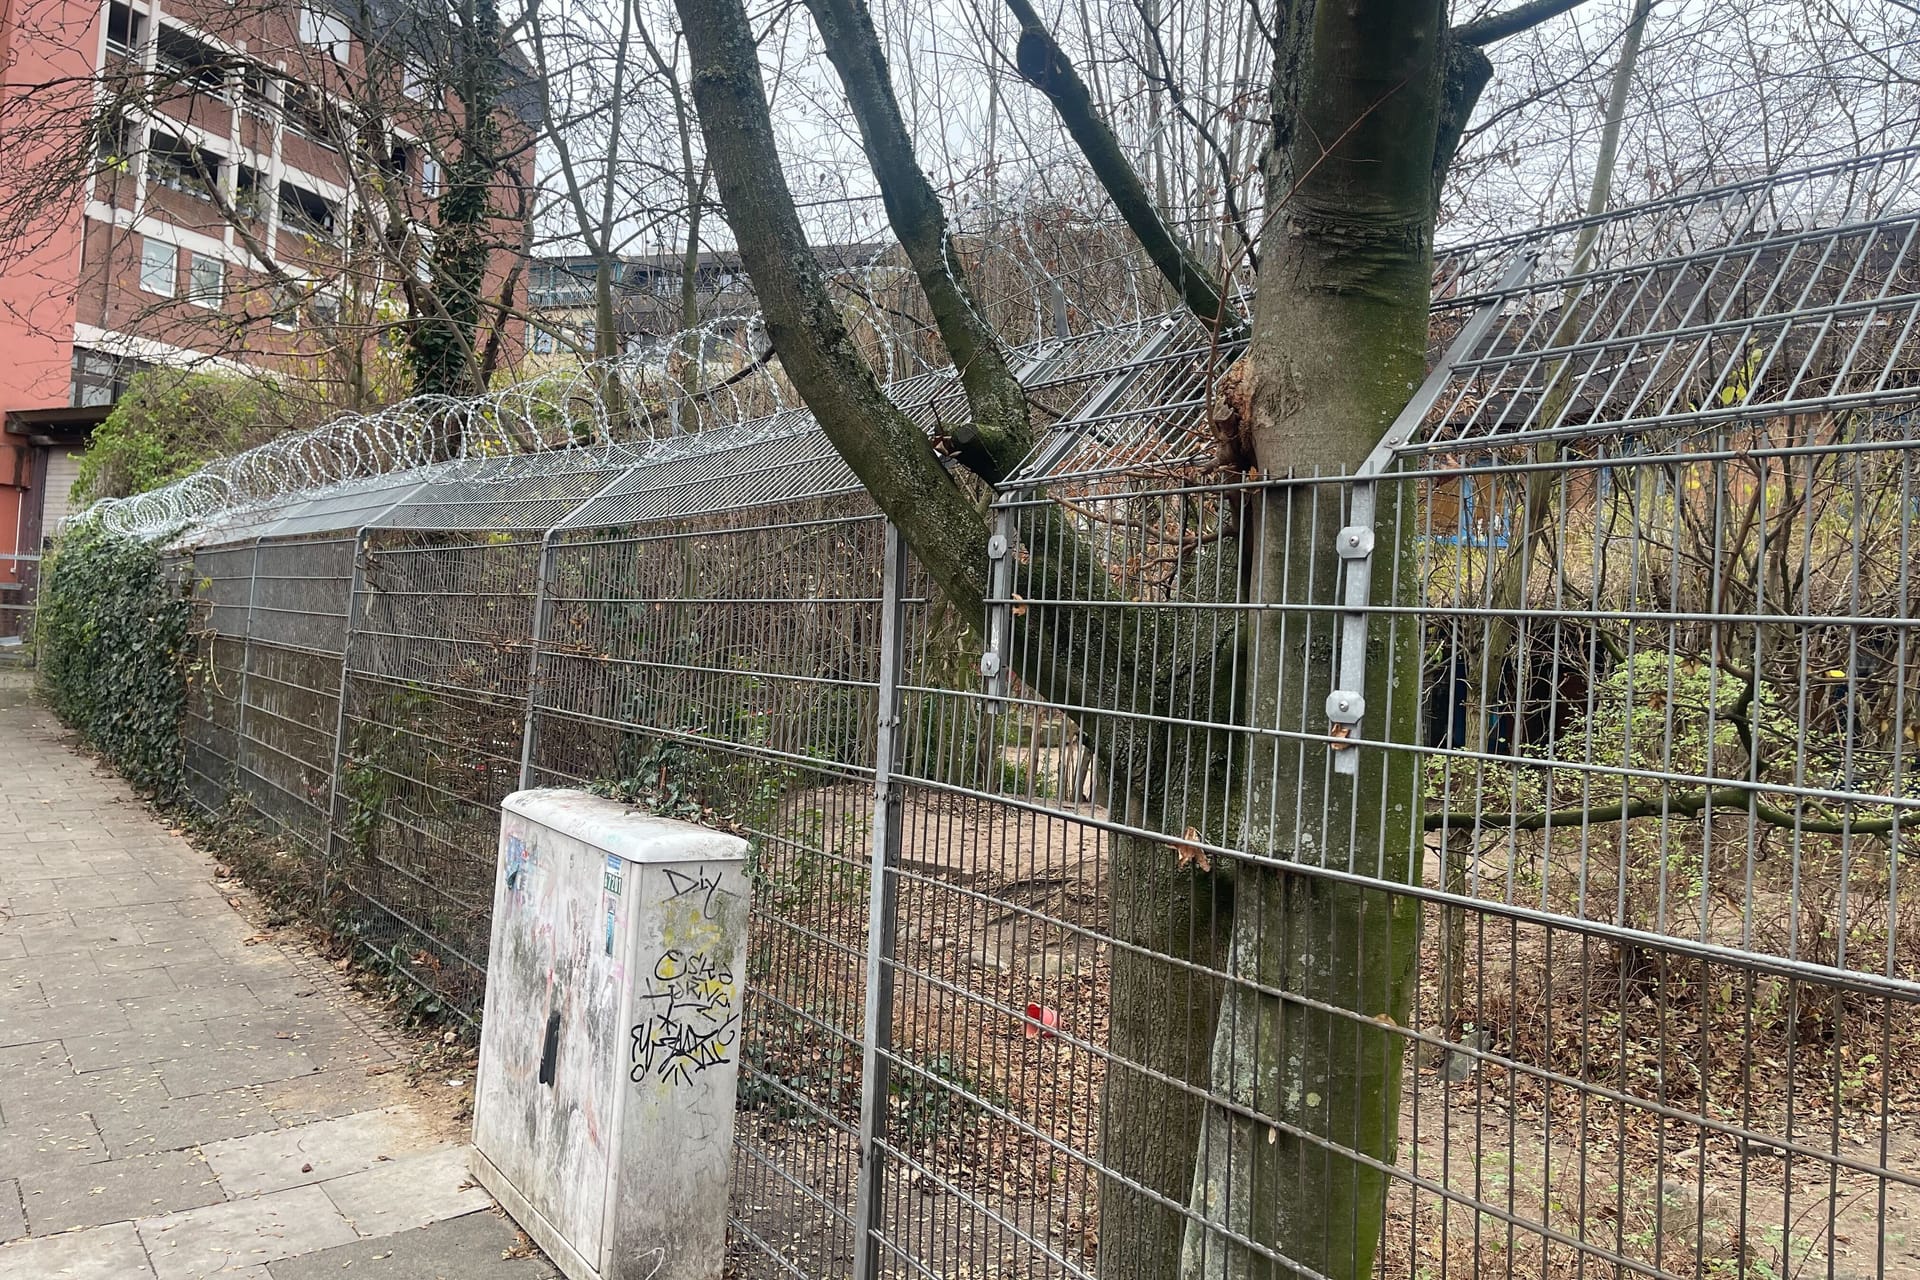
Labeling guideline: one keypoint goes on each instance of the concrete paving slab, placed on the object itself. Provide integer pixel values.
(242, 1233)
(415, 1192)
(126, 1045)
(316, 1152)
(13, 1218)
(333, 1092)
(34, 1058)
(159, 922)
(39, 968)
(94, 985)
(61, 1199)
(100, 1253)
(234, 1064)
(141, 887)
(63, 1140)
(84, 893)
(473, 1247)
(153, 1120)
(144, 955)
(201, 1004)
(43, 1096)
(27, 1026)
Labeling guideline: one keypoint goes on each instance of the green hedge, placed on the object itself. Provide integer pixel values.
(111, 645)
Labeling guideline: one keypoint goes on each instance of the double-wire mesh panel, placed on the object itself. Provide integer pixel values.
(218, 581)
(436, 698)
(292, 692)
(722, 666)
(1549, 923)
(1668, 720)
(1665, 520)
(436, 701)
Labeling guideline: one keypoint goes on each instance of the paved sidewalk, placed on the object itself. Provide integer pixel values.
(179, 1095)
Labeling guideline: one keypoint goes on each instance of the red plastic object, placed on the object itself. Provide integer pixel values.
(1041, 1021)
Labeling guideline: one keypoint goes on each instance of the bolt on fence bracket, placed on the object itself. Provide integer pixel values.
(1354, 544)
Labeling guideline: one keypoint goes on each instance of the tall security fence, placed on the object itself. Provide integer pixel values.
(1486, 861)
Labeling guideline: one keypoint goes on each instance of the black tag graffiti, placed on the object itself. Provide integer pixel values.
(692, 1027)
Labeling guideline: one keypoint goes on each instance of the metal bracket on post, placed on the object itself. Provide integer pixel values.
(1347, 703)
(883, 898)
(995, 664)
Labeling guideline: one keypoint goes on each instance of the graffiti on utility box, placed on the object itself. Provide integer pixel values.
(694, 1020)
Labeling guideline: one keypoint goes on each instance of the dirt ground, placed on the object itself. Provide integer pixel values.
(1570, 1152)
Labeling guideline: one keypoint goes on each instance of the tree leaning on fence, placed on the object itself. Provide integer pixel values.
(1368, 102)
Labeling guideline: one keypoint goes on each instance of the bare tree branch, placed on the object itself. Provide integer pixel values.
(1045, 66)
(996, 439)
(1498, 26)
(892, 456)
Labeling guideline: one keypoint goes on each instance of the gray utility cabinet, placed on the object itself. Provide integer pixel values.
(610, 1049)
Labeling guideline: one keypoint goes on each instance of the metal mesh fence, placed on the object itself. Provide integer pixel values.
(1488, 861)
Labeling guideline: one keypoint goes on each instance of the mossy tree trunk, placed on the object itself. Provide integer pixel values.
(1308, 1052)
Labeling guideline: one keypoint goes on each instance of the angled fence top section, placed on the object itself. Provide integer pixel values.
(1784, 293)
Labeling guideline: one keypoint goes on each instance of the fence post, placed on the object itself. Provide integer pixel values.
(883, 900)
(246, 666)
(539, 631)
(355, 584)
(543, 571)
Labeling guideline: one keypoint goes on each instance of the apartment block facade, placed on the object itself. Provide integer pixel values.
(253, 191)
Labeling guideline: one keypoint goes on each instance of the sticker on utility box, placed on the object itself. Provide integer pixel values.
(610, 895)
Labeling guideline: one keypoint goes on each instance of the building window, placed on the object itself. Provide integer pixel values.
(539, 339)
(180, 167)
(98, 378)
(114, 142)
(423, 254)
(189, 63)
(125, 29)
(256, 93)
(414, 81)
(159, 266)
(207, 281)
(286, 307)
(250, 194)
(308, 115)
(326, 31)
(324, 309)
(304, 213)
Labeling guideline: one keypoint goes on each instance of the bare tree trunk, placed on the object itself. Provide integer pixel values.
(1160, 1027)
(1308, 1052)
